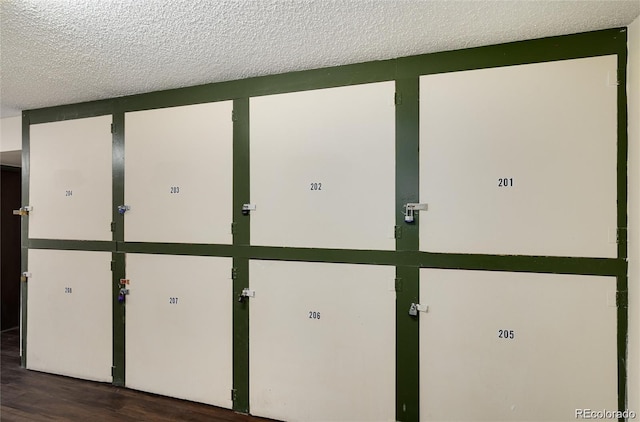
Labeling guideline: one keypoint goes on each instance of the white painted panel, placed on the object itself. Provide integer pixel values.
(178, 174)
(179, 327)
(550, 130)
(70, 179)
(323, 168)
(69, 317)
(322, 342)
(562, 356)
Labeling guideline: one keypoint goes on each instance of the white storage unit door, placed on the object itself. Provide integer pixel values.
(520, 160)
(179, 327)
(70, 179)
(516, 346)
(322, 342)
(323, 168)
(69, 317)
(178, 174)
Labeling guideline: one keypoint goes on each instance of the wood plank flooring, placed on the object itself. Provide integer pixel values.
(35, 396)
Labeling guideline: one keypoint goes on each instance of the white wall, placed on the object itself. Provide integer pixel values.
(633, 93)
(10, 134)
(11, 141)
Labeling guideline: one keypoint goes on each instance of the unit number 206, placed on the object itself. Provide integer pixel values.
(314, 315)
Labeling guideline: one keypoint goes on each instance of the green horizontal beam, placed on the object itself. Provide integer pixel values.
(73, 245)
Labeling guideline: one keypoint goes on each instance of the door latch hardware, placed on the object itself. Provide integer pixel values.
(247, 208)
(409, 210)
(123, 208)
(246, 293)
(25, 276)
(416, 307)
(23, 211)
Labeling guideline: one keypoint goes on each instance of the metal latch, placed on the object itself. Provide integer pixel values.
(22, 211)
(123, 208)
(25, 276)
(246, 208)
(416, 307)
(410, 208)
(246, 293)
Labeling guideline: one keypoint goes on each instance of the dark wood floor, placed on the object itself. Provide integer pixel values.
(35, 396)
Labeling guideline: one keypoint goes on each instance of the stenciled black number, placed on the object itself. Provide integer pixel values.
(507, 334)
(314, 315)
(173, 300)
(316, 186)
(175, 189)
(68, 193)
(67, 290)
(505, 182)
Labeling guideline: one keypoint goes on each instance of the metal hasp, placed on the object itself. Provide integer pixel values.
(246, 293)
(410, 208)
(247, 208)
(123, 208)
(25, 276)
(416, 307)
(23, 211)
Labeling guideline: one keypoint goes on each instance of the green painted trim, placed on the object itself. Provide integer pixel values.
(117, 172)
(241, 236)
(240, 337)
(119, 321)
(407, 345)
(71, 111)
(176, 249)
(574, 46)
(509, 263)
(24, 236)
(24, 300)
(407, 239)
(522, 263)
(73, 245)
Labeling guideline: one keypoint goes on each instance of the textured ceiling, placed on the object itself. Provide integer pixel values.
(64, 51)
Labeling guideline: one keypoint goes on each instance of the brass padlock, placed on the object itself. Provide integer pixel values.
(23, 211)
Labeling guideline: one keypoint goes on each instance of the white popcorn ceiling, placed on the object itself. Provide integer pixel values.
(56, 52)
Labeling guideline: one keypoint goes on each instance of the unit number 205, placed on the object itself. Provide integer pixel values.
(507, 334)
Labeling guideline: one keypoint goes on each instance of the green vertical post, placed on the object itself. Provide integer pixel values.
(24, 241)
(407, 285)
(119, 270)
(241, 227)
(622, 221)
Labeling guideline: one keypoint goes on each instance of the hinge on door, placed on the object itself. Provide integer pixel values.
(234, 273)
(397, 232)
(621, 235)
(113, 370)
(397, 98)
(622, 298)
(113, 226)
(233, 228)
(234, 394)
(234, 116)
(112, 128)
(398, 283)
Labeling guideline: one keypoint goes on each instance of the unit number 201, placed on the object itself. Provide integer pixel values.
(505, 182)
